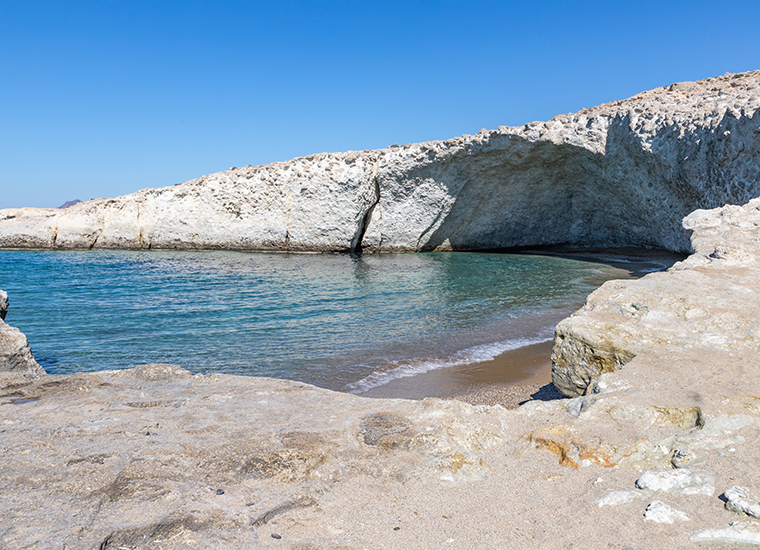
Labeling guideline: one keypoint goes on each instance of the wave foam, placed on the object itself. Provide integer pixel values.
(475, 354)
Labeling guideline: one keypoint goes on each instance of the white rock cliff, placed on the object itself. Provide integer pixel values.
(706, 304)
(624, 173)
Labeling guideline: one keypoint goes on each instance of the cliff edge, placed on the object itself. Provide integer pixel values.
(620, 174)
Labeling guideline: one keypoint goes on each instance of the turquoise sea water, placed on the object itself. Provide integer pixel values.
(343, 322)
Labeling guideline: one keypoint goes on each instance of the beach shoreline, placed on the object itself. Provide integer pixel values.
(509, 379)
(524, 373)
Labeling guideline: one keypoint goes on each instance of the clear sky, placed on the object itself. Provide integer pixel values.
(106, 97)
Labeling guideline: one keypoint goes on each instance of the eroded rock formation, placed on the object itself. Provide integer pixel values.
(708, 302)
(621, 174)
(15, 353)
(662, 451)
(154, 456)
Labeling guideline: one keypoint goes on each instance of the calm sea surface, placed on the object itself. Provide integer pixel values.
(343, 322)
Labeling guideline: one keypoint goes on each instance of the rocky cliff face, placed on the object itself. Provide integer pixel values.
(621, 174)
(662, 452)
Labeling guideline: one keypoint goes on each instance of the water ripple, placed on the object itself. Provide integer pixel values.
(337, 321)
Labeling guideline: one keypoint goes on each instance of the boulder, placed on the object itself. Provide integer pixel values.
(3, 304)
(15, 354)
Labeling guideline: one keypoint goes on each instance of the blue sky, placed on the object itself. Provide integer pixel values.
(105, 98)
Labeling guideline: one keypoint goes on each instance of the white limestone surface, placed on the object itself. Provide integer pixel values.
(621, 174)
(660, 512)
(707, 303)
(742, 501)
(684, 482)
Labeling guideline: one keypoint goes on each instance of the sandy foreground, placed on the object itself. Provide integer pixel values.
(156, 458)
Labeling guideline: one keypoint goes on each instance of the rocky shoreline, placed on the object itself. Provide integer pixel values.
(656, 448)
(155, 456)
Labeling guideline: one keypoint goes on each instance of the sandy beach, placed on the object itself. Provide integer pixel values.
(508, 380)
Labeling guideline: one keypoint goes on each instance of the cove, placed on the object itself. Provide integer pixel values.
(344, 322)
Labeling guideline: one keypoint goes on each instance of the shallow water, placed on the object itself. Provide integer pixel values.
(343, 322)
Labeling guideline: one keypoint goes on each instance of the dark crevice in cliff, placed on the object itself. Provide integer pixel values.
(357, 241)
(429, 228)
(140, 237)
(97, 235)
(287, 219)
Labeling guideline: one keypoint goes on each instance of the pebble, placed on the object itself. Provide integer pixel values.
(740, 500)
(659, 512)
(220, 491)
(682, 481)
(276, 536)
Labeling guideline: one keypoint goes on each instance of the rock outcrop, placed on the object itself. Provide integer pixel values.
(15, 353)
(3, 304)
(709, 302)
(621, 174)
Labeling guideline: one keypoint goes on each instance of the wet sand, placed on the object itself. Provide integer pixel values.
(510, 379)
